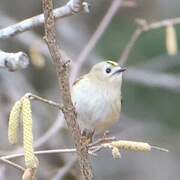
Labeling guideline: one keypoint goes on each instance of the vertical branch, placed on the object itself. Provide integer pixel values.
(62, 71)
(144, 26)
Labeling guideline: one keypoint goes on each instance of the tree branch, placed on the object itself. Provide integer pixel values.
(6, 161)
(16, 155)
(13, 61)
(62, 70)
(100, 143)
(93, 148)
(144, 26)
(72, 7)
(135, 36)
(52, 103)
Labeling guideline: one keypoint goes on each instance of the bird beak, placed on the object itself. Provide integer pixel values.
(119, 70)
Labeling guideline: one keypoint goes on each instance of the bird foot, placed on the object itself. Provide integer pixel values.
(88, 134)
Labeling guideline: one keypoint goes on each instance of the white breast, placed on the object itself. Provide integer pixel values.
(97, 107)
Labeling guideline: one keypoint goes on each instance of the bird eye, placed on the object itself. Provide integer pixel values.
(108, 70)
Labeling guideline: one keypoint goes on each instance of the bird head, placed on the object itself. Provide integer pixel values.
(107, 72)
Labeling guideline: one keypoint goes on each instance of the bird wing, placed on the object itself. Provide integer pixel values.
(77, 80)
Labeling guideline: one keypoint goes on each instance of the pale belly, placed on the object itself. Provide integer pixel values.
(96, 110)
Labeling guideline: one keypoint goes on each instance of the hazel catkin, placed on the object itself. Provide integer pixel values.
(30, 159)
(14, 119)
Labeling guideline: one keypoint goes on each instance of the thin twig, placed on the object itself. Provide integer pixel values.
(69, 9)
(160, 24)
(52, 103)
(159, 149)
(12, 156)
(102, 140)
(92, 148)
(144, 26)
(52, 151)
(63, 78)
(4, 160)
(129, 47)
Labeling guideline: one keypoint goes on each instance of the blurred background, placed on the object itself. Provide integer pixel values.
(151, 89)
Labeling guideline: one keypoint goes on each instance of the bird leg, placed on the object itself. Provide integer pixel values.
(88, 134)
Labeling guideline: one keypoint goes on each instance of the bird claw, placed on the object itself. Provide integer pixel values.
(88, 134)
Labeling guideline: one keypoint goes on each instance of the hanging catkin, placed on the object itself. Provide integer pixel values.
(30, 159)
(14, 119)
(115, 153)
(171, 40)
(132, 146)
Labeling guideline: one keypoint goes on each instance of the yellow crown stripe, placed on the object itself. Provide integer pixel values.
(113, 63)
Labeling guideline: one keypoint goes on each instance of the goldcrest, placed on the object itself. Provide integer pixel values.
(97, 97)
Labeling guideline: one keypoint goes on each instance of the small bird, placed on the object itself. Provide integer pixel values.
(97, 97)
